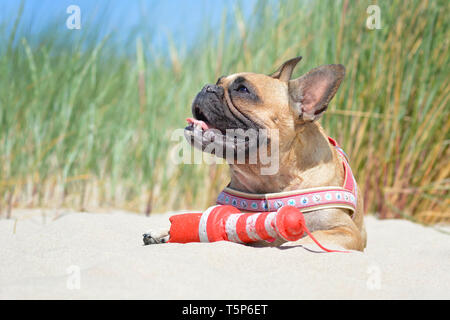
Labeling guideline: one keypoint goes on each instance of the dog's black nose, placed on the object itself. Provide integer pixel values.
(212, 88)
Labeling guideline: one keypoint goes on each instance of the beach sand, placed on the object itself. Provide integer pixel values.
(47, 254)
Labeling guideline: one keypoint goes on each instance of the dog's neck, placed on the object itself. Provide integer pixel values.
(308, 161)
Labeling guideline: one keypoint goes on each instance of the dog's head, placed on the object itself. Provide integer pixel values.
(246, 102)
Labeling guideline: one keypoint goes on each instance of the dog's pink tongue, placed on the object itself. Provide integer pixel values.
(196, 122)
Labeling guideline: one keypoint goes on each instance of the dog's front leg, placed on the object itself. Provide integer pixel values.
(156, 236)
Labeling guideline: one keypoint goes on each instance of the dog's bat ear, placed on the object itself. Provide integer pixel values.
(284, 72)
(312, 92)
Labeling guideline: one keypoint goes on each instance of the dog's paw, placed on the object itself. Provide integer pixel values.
(155, 237)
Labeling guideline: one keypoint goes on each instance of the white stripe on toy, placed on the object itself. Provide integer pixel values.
(250, 227)
(269, 223)
(203, 235)
(230, 228)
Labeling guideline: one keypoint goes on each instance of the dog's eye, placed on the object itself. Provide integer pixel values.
(242, 88)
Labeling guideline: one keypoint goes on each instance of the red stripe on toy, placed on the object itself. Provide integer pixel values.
(260, 226)
(241, 228)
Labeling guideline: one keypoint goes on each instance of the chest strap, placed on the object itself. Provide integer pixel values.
(306, 200)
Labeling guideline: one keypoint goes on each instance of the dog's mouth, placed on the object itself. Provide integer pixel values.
(222, 136)
(201, 133)
(221, 142)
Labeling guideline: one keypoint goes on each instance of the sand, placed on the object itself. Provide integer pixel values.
(74, 255)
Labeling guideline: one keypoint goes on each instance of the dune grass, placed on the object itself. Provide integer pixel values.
(87, 125)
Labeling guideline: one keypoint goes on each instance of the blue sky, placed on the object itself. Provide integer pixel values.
(181, 19)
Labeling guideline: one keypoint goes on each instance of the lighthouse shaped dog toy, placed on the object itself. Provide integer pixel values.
(224, 222)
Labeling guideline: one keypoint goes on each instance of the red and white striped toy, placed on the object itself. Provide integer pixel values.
(224, 222)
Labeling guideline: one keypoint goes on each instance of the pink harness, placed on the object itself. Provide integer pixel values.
(306, 200)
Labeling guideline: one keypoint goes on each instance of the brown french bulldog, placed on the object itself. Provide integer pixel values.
(306, 157)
